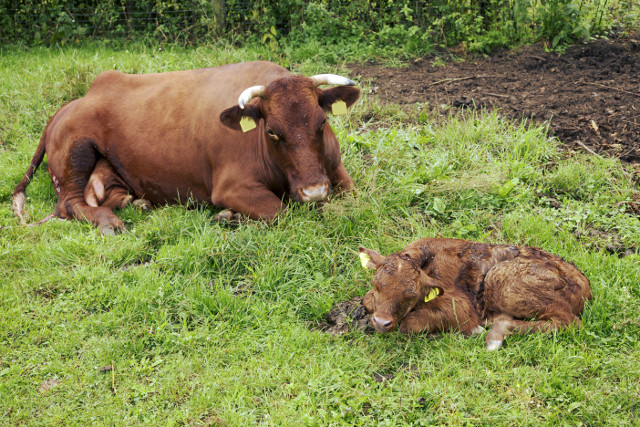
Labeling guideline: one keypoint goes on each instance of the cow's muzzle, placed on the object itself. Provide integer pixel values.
(314, 193)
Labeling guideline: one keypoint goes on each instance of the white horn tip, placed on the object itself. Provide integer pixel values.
(249, 93)
(332, 79)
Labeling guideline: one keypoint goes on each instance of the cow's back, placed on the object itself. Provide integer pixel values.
(219, 86)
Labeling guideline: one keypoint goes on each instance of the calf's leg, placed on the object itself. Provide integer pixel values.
(525, 288)
(446, 313)
(555, 316)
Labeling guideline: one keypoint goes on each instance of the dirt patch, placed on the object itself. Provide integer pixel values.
(590, 94)
(610, 242)
(347, 316)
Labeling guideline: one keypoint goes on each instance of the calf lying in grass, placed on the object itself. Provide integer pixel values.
(436, 285)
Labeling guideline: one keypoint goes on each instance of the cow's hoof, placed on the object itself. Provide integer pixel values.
(227, 216)
(142, 204)
(107, 230)
(127, 199)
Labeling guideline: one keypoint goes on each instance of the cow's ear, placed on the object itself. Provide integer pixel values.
(329, 99)
(433, 293)
(370, 258)
(241, 119)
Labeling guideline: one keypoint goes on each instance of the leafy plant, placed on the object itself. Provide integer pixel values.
(398, 28)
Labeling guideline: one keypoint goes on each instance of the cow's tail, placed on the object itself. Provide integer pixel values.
(19, 196)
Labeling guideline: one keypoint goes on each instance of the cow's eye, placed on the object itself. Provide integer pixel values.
(272, 134)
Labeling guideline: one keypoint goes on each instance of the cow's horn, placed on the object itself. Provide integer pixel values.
(249, 93)
(331, 79)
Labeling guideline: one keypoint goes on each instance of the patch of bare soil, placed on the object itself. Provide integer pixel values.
(590, 94)
(48, 385)
(347, 316)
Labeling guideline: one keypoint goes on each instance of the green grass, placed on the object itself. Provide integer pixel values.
(206, 324)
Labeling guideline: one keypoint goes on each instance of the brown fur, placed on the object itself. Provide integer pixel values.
(169, 137)
(106, 188)
(516, 288)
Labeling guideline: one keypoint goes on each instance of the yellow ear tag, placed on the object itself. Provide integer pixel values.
(247, 123)
(364, 259)
(339, 108)
(433, 293)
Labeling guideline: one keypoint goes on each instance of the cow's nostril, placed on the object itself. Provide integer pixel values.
(314, 194)
(382, 322)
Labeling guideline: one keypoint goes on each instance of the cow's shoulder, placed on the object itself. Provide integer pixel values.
(109, 76)
(107, 80)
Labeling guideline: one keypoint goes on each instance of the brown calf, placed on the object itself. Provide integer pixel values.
(438, 285)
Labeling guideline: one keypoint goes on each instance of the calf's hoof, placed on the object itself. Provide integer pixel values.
(478, 330)
(493, 345)
(497, 334)
(142, 204)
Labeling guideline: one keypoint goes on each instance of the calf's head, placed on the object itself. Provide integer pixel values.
(295, 129)
(399, 283)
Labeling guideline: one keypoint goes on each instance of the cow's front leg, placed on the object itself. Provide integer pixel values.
(227, 216)
(341, 181)
(257, 203)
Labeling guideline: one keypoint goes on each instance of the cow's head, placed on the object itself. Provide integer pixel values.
(400, 282)
(293, 110)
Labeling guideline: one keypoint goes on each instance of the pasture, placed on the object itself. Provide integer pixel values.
(181, 321)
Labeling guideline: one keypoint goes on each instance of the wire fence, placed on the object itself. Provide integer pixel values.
(55, 20)
(446, 21)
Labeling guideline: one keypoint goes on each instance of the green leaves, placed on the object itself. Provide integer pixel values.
(269, 38)
(439, 205)
(505, 189)
(383, 28)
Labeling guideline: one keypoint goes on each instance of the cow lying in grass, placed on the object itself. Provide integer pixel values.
(244, 137)
(436, 285)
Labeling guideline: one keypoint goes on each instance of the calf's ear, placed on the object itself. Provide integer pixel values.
(421, 256)
(241, 119)
(370, 258)
(328, 97)
(433, 293)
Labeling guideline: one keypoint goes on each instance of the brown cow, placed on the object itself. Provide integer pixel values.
(170, 137)
(438, 285)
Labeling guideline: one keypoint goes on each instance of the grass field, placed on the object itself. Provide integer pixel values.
(179, 321)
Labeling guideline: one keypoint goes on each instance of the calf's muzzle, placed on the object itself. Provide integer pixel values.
(382, 323)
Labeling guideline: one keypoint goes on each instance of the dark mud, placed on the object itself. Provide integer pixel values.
(346, 317)
(590, 94)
